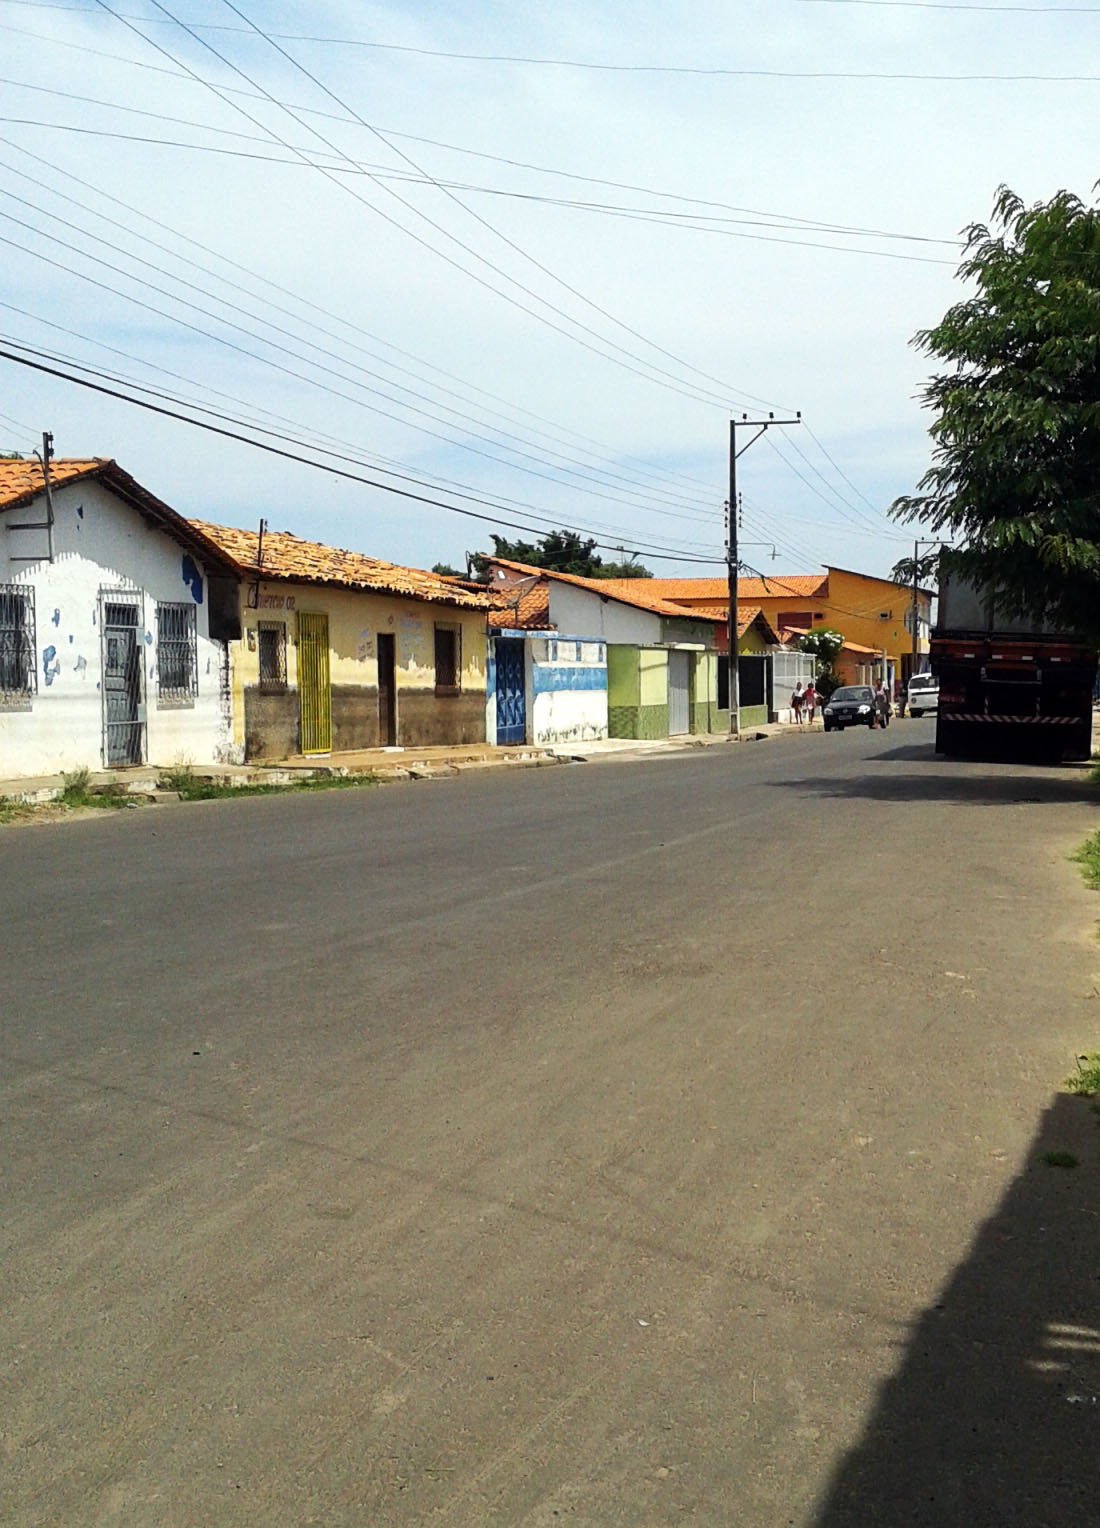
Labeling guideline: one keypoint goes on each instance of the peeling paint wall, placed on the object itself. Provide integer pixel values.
(103, 544)
(568, 691)
(266, 720)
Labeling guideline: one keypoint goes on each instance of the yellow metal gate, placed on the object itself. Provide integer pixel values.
(314, 694)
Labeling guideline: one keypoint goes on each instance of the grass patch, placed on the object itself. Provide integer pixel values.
(79, 791)
(191, 788)
(15, 811)
(1088, 857)
(1059, 1159)
(1086, 1079)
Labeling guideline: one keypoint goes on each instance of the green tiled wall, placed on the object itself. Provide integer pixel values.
(637, 721)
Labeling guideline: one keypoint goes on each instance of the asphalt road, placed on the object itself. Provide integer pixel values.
(628, 1143)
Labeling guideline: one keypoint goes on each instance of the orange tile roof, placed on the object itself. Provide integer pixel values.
(714, 591)
(680, 591)
(286, 556)
(783, 586)
(21, 482)
(531, 612)
(628, 591)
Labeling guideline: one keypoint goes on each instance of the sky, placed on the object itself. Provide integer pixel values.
(521, 261)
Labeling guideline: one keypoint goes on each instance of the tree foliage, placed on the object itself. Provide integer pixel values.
(565, 552)
(824, 642)
(1015, 474)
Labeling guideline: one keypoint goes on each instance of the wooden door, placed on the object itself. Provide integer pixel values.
(387, 690)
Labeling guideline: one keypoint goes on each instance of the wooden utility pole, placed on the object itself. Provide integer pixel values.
(732, 559)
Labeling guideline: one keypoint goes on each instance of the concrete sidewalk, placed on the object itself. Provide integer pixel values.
(153, 782)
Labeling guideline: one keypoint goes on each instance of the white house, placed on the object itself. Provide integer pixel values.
(114, 619)
(638, 665)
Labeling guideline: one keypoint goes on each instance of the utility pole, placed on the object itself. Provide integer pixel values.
(732, 559)
(45, 456)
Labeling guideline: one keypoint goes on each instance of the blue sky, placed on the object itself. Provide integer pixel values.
(543, 277)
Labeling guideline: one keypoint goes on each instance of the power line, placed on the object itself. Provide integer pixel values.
(614, 352)
(777, 219)
(484, 223)
(691, 222)
(565, 463)
(639, 550)
(633, 214)
(352, 455)
(109, 9)
(346, 322)
(689, 70)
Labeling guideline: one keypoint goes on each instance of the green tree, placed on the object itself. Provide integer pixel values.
(824, 643)
(445, 570)
(564, 552)
(1015, 474)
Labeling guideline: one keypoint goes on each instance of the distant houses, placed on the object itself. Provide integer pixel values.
(874, 615)
(659, 660)
(130, 635)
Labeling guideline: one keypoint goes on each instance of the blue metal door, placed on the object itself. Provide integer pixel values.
(511, 707)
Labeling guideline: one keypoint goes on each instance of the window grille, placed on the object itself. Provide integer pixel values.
(18, 675)
(271, 637)
(446, 658)
(177, 653)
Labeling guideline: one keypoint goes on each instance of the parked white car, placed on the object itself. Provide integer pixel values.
(924, 694)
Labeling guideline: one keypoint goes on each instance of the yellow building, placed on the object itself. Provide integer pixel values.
(339, 651)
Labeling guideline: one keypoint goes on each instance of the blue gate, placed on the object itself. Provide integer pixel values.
(511, 708)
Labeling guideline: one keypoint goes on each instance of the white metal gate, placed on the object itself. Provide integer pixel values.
(679, 685)
(788, 669)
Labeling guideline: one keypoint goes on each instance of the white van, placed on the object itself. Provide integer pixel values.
(924, 694)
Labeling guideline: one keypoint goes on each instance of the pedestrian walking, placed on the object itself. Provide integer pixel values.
(796, 702)
(809, 702)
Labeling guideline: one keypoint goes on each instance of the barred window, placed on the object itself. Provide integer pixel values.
(177, 654)
(17, 669)
(271, 636)
(447, 659)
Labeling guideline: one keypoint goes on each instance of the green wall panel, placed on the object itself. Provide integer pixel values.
(622, 680)
(642, 722)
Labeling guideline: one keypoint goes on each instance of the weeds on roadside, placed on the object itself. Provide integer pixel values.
(1088, 857)
(15, 811)
(1086, 1079)
(190, 787)
(79, 791)
(1059, 1159)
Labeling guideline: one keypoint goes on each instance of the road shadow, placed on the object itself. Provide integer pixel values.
(992, 1419)
(943, 780)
